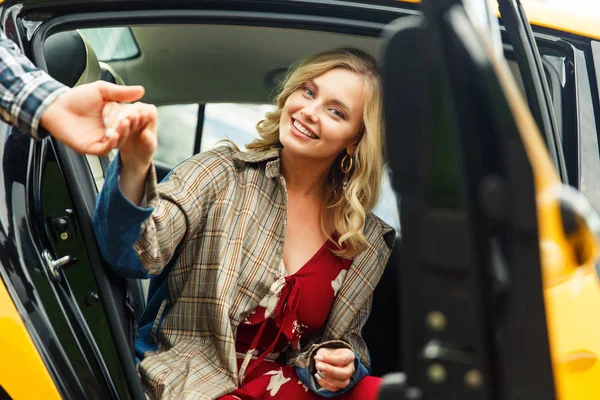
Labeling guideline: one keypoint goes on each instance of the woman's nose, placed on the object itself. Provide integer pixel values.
(310, 114)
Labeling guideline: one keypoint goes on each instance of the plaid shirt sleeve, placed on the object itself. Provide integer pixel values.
(351, 340)
(25, 91)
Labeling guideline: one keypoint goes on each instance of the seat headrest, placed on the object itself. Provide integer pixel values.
(110, 75)
(71, 59)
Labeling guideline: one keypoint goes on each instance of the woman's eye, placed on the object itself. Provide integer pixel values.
(338, 113)
(309, 92)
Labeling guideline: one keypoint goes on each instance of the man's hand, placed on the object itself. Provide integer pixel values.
(335, 367)
(76, 118)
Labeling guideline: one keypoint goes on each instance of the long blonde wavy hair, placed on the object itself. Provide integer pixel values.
(345, 210)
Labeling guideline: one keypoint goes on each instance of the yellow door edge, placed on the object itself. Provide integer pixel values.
(23, 374)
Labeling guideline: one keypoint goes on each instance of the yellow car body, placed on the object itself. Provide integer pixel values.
(23, 372)
(571, 286)
(572, 290)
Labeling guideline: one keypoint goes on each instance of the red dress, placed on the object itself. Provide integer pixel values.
(297, 304)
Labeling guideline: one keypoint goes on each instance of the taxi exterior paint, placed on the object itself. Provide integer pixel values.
(571, 288)
(23, 374)
(562, 18)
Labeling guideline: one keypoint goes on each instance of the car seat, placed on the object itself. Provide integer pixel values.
(75, 66)
(72, 61)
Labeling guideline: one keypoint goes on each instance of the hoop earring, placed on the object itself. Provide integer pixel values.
(346, 169)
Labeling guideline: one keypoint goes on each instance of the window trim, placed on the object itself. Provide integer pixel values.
(526, 50)
(568, 124)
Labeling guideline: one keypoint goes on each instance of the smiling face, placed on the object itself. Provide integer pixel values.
(323, 117)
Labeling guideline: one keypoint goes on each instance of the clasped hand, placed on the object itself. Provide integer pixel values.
(335, 368)
(137, 124)
(91, 119)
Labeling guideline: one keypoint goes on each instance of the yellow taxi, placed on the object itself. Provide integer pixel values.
(494, 165)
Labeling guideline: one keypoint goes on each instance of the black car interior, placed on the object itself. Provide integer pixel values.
(382, 331)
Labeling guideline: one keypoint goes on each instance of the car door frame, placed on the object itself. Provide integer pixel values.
(434, 358)
(537, 90)
(74, 167)
(28, 275)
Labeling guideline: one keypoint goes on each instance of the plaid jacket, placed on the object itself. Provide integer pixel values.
(221, 216)
(25, 91)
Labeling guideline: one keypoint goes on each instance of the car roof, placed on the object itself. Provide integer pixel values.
(566, 17)
(562, 15)
(579, 17)
(181, 57)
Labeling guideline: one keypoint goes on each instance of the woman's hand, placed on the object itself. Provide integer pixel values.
(136, 144)
(139, 144)
(335, 367)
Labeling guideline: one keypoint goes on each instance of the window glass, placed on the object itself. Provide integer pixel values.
(590, 159)
(236, 122)
(176, 133)
(389, 203)
(112, 44)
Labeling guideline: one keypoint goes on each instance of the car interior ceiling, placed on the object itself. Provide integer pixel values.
(205, 64)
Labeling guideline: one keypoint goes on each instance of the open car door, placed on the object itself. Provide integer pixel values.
(534, 79)
(496, 252)
(81, 318)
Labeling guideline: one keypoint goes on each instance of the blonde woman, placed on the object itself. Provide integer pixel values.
(263, 262)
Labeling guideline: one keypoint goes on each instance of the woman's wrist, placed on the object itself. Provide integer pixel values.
(135, 168)
(132, 179)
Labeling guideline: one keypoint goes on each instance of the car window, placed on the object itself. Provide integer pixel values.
(556, 73)
(111, 44)
(236, 122)
(589, 148)
(177, 126)
(572, 102)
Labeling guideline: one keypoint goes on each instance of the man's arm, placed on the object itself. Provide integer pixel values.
(31, 100)
(25, 91)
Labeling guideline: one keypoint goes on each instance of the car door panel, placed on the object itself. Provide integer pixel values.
(75, 286)
(93, 349)
(24, 272)
(490, 152)
(530, 244)
(100, 295)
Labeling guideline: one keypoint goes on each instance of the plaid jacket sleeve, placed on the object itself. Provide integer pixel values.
(25, 91)
(352, 340)
(180, 206)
